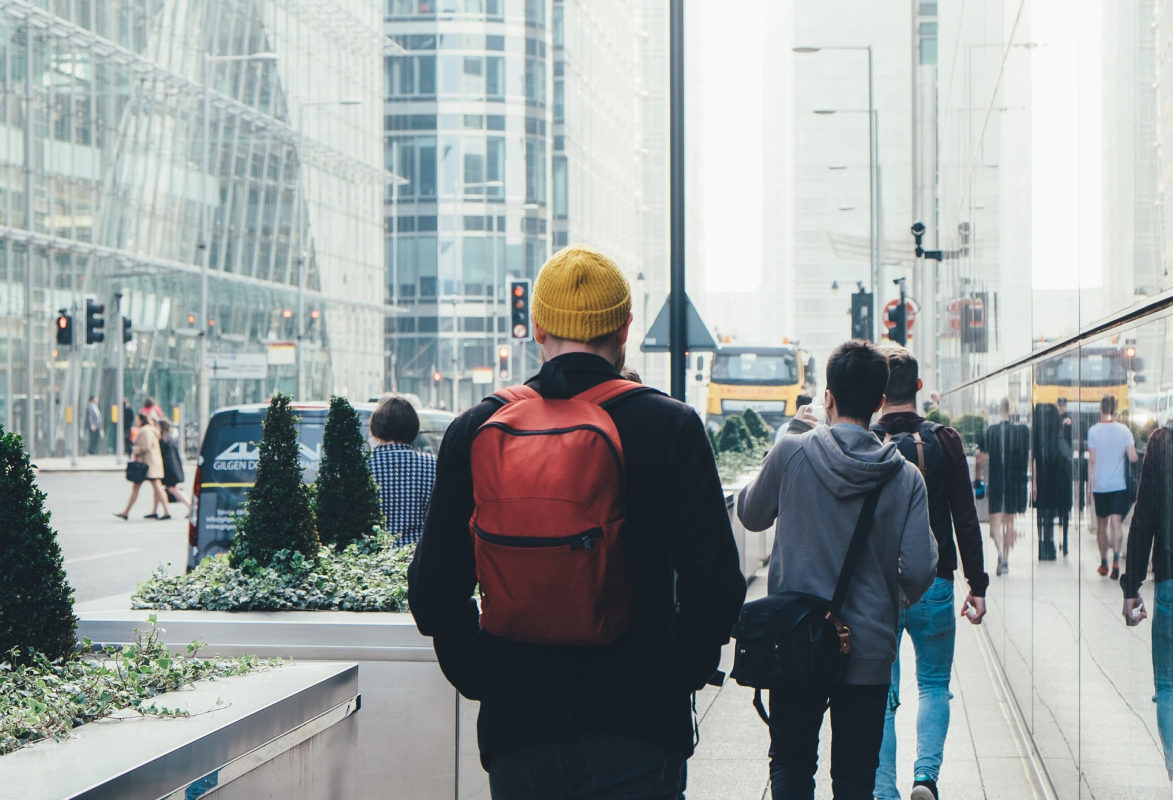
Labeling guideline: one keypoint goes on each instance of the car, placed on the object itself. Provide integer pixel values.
(226, 466)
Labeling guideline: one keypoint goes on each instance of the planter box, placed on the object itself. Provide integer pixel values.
(415, 735)
(287, 733)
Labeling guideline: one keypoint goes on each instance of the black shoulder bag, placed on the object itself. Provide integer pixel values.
(794, 636)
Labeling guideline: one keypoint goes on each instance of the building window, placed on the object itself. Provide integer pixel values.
(535, 13)
(559, 25)
(535, 81)
(561, 189)
(559, 101)
(535, 171)
(495, 76)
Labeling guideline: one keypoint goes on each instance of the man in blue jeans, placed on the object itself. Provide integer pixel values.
(939, 454)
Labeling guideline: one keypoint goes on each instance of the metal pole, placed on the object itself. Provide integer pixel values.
(677, 321)
(120, 378)
(30, 406)
(302, 254)
(872, 232)
(73, 430)
(204, 399)
(394, 267)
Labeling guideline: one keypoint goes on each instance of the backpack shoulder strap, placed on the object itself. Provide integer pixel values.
(609, 391)
(511, 394)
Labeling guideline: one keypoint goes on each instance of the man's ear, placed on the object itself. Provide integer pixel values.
(919, 384)
(539, 334)
(883, 399)
(624, 330)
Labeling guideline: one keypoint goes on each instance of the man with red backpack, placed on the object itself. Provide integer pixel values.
(938, 453)
(589, 512)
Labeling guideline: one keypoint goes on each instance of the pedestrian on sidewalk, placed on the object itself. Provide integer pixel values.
(939, 454)
(1152, 532)
(1111, 449)
(403, 475)
(94, 424)
(128, 427)
(1051, 477)
(814, 485)
(585, 689)
(1003, 457)
(173, 477)
(146, 449)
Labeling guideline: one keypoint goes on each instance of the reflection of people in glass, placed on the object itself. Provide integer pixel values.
(1003, 456)
(1051, 475)
(1152, 531)
(1110, 450)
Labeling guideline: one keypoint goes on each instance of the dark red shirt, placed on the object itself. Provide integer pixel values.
(959, 494)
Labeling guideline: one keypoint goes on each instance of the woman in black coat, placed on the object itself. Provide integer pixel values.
(1051, 477)
(172, 465)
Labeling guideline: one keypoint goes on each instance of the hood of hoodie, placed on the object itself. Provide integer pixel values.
(849, 460)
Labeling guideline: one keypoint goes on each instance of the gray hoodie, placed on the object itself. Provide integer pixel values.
(814, 485)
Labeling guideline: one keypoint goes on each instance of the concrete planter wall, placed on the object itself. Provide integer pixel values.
(287, 733)
(416, 735)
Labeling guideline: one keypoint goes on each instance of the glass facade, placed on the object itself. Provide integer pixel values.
(147, 146)
(1043, 186)
(512, 122)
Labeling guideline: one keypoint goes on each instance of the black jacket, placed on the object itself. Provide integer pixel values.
(676, 525)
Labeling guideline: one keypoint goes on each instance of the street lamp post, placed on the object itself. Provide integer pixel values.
(873, 259)
(205, 226)
(300, 219)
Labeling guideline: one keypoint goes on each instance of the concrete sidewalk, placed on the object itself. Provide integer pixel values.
(984, 755)
(105, 462)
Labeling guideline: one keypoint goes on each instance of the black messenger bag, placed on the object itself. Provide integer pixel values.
(794, 636)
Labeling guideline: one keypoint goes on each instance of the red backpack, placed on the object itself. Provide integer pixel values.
(548, 482)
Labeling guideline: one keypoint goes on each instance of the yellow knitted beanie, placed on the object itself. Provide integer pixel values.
(580, 295)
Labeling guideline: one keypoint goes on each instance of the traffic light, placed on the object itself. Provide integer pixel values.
(127, 333)
(94, 321)
(436, 376)
(861, 315)
(64, 328)
(503, 362)
(520, 326)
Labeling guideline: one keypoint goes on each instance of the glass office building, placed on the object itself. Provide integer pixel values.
(147, 147)
(1049, 139)
(521, 126)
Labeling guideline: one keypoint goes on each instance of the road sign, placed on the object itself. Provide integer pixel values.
(909, 308)
(282, 353)
(238, 366)
(697, 336)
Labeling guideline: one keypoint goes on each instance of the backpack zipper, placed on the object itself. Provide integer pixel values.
(577, 541)
(554, 431)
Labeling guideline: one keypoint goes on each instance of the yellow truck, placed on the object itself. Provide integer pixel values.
(766, 379)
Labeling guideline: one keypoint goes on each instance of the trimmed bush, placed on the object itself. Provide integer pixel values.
(277, 515)
(757, 426)
(972, 428)
(734, 436)
(346, 500)
(36, 601)
(935, 414)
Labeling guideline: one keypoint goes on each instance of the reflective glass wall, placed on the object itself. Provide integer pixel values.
(149, 149)
(1052, 306)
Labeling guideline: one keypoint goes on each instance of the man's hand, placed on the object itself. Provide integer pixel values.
(806, 414)
(1134, 611)
(973, 609)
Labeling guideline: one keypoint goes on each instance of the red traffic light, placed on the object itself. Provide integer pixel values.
(436, 376)
(503, 352)
(191, 319)
(63, 322)
(518, 290)
(287, 313)
(1130, 352)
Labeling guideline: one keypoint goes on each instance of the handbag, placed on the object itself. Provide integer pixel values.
(795, 636)
(136, 471)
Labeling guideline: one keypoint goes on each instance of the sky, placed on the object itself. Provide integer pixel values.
(732, 61)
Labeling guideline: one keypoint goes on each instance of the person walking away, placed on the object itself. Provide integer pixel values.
(1111, 449)
(152, 409)
(1051, 476)
(939, 455)
(173, 477)
(403, 475)
(94, 424)
(584, 692)
(128, 427)
(146, 449)
(814, 486)
(1151, 533)
(1003, 456)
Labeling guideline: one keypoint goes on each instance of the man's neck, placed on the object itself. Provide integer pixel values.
(899, 408)
(859, 423)
(1107, 418)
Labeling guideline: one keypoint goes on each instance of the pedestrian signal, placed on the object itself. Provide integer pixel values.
(127, 334)
(503, 362)
(861, 315)
(520, 326)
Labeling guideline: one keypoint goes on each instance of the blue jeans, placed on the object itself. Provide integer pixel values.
(588, 767)
(1163, 666)
(933, 627)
